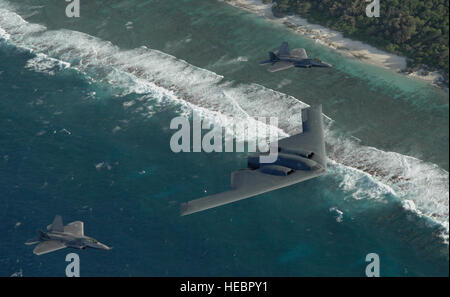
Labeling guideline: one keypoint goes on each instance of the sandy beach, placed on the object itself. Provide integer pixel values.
(336, 40)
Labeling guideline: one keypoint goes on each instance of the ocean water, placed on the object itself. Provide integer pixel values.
(86, 106)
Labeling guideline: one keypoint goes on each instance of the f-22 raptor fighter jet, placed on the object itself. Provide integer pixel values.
(60, 236)
(284, 59)
(300, 157)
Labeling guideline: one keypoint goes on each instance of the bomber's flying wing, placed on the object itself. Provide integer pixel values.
(75, 228)
(281, 65)
(299, 53)
(301, 157)
(48, 246)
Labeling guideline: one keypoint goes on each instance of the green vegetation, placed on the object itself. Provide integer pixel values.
(416, 29)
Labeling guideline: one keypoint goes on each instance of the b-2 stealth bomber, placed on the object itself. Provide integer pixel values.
(300, 157)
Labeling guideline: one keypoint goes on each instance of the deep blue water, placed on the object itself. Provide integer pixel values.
(91, 142)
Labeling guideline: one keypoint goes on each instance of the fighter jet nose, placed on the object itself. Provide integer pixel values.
(99, 245)
(105, 247)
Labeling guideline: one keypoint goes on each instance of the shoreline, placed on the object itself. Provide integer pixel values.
(336, 41)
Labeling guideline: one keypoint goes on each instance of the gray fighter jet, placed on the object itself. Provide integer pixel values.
(300, 157)
(284, 59)
(60, 236)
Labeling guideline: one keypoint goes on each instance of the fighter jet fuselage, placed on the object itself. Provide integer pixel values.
(72, 241)
(284, 59)
(304, 63)
(308, 63)
(60, 236)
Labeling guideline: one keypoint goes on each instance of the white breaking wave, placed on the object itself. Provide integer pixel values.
(43, 63)
(4, 35)
(221, 102)
(423, 187)
(359, 184)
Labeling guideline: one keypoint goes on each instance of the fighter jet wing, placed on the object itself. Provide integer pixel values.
(75, 228)
(281, 65)
(48, 246)
(301, 157)
(284, 49)
(299, 53)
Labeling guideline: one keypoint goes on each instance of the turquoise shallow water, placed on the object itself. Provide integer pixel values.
(91, 142)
